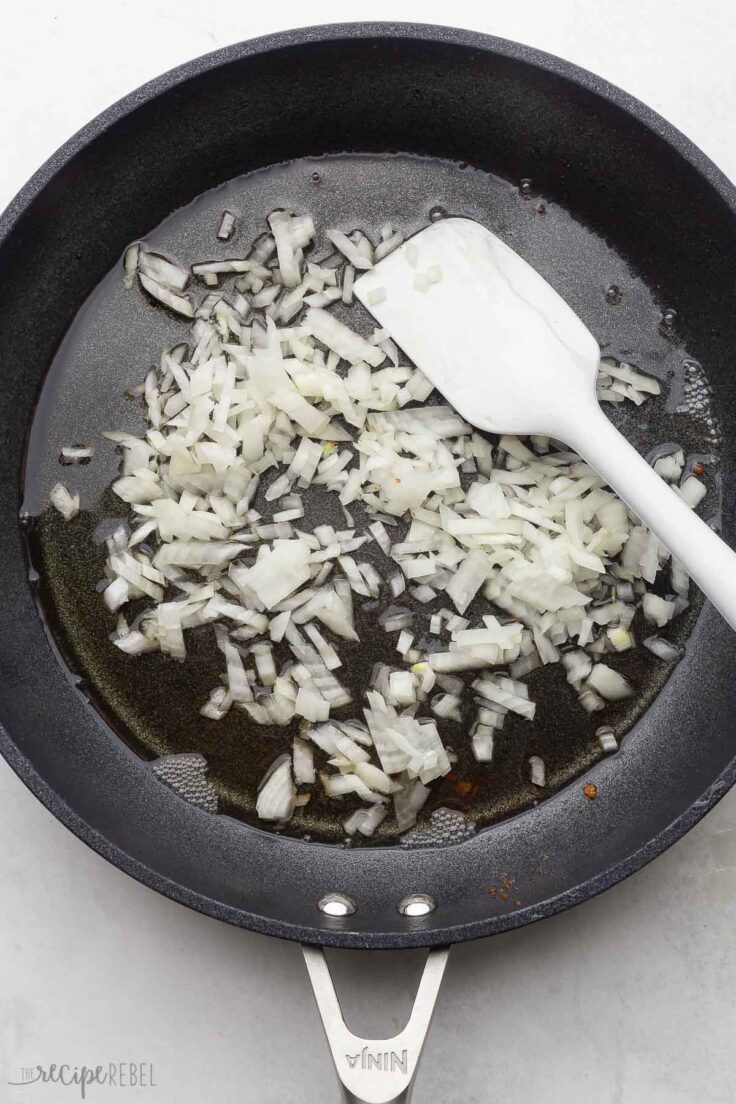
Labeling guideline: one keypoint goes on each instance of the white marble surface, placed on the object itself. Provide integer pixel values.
(626, 1000)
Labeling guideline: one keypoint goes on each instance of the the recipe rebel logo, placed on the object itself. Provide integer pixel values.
(116, 1075)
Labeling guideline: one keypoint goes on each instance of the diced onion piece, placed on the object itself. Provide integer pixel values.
(168, 298)
(661, 648)
(403, 689)
(311, 705)
(226, 227)
(607, 739)
(116, 594)
(407, 804)
(327, 653)
(350, 251)
(303, 757)
(468, 579)
(277, 793)
(237, 680)
(130, 264)
(64, 501)
(537, 771)
(497, 690)
(670, 466)
(620, 638)
(692, 491)
(265, 665)
(135, 643)
(76, 455)
(657, 610)
(371, 819)
(342, 340)
(609, 683)
(163, 271)
(482, 741)
(277, 573)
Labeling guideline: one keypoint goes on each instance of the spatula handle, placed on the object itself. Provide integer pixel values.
(707, 559)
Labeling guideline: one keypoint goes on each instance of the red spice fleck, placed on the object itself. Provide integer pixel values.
(698, 469)
(590, 790)
(463, 788)
(504, 895)
(492, 890)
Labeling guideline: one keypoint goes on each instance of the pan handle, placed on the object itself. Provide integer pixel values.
(376, 1071)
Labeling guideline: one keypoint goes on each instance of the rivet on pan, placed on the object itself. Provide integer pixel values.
(437, 213)
(336, 904)
(417, 904)
(525, 186)
(614, 294)
(668, 316)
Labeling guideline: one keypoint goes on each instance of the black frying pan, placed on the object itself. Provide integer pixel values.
(621, 213)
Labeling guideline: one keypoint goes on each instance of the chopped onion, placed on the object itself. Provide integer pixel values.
(395, 619)
(524, 525)
(537, 771)
(407, 804)
(217, 705)
(397, 584)
(353, 254)
(76, 455)
(303, 757)
(162, 271)
(164, 295)
(607, 739)
(669, 466)
(692, 491)
(340, 339)
(130, 264)
(66, 503)
(609, 683)
(468, 579)
(657, 610)
(504, 692)
(447, 706)
(661, 648)
(482, 741)
(327, 653)
(277, 793)
(378, 531)
(226, 227)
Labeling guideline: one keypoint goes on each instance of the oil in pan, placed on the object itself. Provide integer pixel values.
(153, 702)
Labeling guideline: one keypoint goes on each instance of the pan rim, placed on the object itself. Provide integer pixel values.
(17, 208)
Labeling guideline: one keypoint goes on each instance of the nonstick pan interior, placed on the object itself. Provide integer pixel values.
(428, 117)
(154, 702)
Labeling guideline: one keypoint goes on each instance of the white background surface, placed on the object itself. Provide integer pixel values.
(626, 1000)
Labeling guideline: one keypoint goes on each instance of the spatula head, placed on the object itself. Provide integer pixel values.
(490, 333)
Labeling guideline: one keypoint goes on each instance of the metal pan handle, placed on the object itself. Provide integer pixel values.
(376, 1071)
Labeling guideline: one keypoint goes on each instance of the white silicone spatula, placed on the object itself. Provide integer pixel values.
(512, 357)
